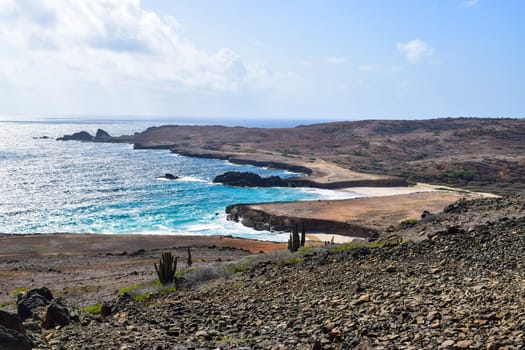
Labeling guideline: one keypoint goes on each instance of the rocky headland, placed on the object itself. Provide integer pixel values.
(479, 154)
(357, 217)
(461, 287)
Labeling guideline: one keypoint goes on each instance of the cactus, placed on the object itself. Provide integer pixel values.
(303, 234)
(190, 262)
(295, 242)
(166, 268)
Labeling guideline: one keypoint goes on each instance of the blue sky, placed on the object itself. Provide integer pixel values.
(263, 59)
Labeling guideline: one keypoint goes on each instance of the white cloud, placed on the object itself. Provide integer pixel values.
(366, 68)
(415, 50)
(469, 3)
(336, 60)
(57, 47)
(306, 63)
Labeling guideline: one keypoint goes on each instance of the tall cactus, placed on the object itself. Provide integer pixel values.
(166, 268)
(189, 261)
(296, 241)
(303, 234)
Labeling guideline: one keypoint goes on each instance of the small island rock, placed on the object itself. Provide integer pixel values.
(247, 179)
(170, 176)
(78, 136)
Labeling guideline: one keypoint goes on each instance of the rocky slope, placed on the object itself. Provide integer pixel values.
(460, 289)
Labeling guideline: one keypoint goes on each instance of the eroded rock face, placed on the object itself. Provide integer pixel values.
(247, 179)
(262, 220)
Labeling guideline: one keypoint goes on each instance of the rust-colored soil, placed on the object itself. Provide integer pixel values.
(87, 269)
(372, 212)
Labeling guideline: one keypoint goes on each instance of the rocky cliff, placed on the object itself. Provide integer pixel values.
(262, 220)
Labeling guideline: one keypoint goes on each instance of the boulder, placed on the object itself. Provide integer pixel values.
(170, 176)
(78, 136)
(32, 300)
(59, 314)
(248, 179)
(11, 321)
(13, 340)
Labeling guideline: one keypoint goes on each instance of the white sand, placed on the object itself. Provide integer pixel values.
(391, 191)
(323, 237)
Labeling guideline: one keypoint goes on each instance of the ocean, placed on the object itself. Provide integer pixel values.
(49, 186)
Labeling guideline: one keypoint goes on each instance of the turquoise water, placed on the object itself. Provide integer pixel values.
(50, 186)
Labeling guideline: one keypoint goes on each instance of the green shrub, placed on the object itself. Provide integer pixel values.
(93, 309)
(129, 289)
(463, 174)
(141, 297)
(18, 290)
(408, 222)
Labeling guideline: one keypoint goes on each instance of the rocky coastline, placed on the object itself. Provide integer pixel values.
(318, 174)
(462, 288)
(362, 217)
(259, 219)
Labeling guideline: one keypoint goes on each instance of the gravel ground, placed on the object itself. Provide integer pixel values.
(463, 288)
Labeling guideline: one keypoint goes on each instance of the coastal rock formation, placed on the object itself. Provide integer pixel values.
(247, 179)
(169, 176)
(360, 217)
(262, 220)
(476, 153)
(101, 136)
(78, 136)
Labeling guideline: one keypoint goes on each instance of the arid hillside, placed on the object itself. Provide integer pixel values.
(478, 154)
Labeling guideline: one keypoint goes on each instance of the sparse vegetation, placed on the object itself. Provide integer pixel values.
(463, 174)
(130, 288)
(408, 222)
(18, 290)
(93, 309)
(355, 245)
(167, 268)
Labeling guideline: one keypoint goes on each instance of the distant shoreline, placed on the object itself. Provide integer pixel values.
(319, 174)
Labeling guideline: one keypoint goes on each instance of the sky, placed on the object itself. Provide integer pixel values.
(294, 59)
